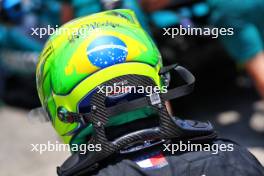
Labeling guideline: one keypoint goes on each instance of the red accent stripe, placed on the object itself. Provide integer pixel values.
(158, 159)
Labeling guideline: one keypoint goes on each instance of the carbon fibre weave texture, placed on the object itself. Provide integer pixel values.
(99, 118)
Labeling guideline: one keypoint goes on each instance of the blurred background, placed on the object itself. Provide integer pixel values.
(225, 93)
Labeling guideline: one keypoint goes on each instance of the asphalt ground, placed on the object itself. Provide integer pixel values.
(17, 135)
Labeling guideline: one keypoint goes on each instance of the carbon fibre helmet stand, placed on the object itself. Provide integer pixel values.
(168, 128)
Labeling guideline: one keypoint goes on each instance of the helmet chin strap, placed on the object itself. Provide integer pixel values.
(168, 127)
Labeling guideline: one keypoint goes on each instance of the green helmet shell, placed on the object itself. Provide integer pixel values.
(87, 52)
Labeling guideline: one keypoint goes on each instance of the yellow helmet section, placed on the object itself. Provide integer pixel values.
(88, 51)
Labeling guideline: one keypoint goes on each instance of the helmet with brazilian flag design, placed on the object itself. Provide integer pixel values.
(85, 53)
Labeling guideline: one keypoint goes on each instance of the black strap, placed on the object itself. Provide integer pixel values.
(182, 90)
(171, 94)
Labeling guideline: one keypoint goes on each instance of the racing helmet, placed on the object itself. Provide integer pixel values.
(82, 55)
(78, 70)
